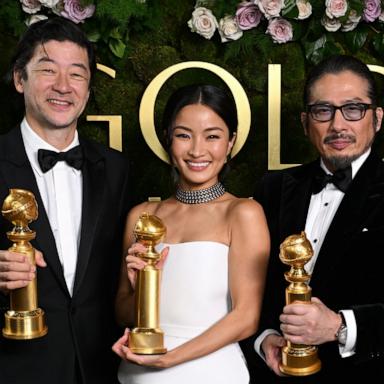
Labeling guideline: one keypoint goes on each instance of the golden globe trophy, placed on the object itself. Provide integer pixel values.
(296, 251)
(24, 320)
(147, 338)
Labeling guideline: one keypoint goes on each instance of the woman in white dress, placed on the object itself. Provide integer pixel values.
(214, 257)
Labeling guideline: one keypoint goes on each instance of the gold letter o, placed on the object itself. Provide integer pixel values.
(147, 105)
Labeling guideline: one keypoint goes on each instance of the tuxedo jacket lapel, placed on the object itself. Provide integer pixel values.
(359, 202)
(93, 198)
(19, 174)
(296, 195)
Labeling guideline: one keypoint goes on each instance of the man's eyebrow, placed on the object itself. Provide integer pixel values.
(46, 59)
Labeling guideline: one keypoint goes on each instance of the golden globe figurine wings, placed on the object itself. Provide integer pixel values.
(147, 338)
(296, 251)
(24, 320)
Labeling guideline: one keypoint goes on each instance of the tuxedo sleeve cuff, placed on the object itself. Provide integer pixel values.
(348, 349)
(261, 338)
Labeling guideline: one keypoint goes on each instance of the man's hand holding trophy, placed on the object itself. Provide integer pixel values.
(24, 320)
(296, 251)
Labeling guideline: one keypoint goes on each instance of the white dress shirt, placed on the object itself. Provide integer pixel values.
(61, 192)
(322, 209)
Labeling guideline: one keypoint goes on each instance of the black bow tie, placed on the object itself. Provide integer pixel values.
(48, 159)
(340, 179)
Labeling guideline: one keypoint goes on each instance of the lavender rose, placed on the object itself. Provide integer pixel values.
(229, 29)
(203, 22)
(247, 15)
(75, 12)
(372, 10)
(30, 6)
(280, 30)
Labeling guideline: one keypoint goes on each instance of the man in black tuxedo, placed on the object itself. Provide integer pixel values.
(82, 200)
(339, 201)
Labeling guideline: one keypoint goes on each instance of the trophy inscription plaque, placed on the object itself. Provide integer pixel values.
(296, 251)
(24, 320)
(147, 338)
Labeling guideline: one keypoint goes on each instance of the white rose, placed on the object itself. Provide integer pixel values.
(34, 19)
(349, 26)
(381, 17)
(30, 6)
(336, 8)
(58, 8)
(270, 8)
(229, 29)
(331, 25)
(305, 9)
(49, 3)
(203, 22)
(352, 22)
(353, 16)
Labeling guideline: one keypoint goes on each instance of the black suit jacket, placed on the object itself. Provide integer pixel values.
(81, 328)
(347, 273)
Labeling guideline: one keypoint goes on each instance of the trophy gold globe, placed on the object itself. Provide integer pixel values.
(146, 337)
(24, 320)
(296, 251)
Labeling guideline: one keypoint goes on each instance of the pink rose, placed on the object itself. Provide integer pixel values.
(270, 8)
(336, 8)
(203, 22)
(372, 10)
(75, 12)
(280, 30)
(247, 15)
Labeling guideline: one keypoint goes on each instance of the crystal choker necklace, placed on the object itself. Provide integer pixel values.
(199, 196)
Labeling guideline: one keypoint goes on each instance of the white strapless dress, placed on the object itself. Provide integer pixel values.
(194, 296)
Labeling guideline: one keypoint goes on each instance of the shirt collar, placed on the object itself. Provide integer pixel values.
(356, 164)
(33, 142)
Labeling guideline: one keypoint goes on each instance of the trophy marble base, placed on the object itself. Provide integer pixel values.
(147, 341)
(302, 362)
(24, 325)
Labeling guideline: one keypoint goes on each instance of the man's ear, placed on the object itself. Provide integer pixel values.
(18, 81)
(303, 118)
(379, 118)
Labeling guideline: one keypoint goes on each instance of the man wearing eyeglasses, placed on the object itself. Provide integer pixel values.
(339, 201)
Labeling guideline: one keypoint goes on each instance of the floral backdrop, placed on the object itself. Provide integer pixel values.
(140, 38)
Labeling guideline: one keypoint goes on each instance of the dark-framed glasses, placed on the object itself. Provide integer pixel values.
(350, 111)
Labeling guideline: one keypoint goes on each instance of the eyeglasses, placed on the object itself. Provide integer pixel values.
(350, 111)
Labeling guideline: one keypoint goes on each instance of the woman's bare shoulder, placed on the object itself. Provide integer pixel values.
(149, 207)
(245, 209)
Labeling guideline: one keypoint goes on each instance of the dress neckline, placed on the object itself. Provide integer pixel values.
(195, 242)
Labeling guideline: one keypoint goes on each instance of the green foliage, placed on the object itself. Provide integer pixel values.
(318, 33)
(140, 40)
(11, 17)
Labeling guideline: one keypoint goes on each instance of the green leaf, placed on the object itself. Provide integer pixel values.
(117, 47)
(290, 10)
(115, 34)
(321, 48)
(378, 43)
(94, 36)
(357, 5)
(355, 39)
